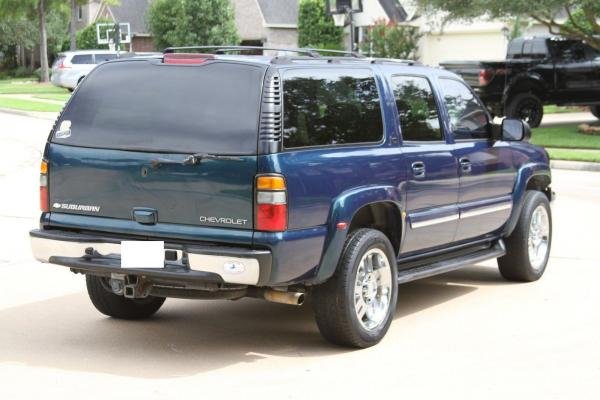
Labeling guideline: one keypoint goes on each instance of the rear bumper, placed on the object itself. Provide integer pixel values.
(101, 255)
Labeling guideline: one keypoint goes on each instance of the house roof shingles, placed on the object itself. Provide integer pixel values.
(134, 12)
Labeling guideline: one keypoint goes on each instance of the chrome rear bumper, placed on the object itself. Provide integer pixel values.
(101, 255)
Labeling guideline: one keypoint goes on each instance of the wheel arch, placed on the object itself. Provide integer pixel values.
(535, 176)
(378, 207)
(525, 83)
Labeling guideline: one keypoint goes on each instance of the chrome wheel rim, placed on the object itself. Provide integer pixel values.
(539, 237)
(372, 289)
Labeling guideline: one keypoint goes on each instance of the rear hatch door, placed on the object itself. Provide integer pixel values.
(144, 140)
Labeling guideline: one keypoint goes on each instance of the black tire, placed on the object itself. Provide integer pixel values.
(596, 111)
(527, 107)
(333, 301)
(516, 265)
(117, 306)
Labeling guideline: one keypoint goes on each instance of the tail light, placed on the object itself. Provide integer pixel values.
(44, 205)
(271, 212)
(485, 76)
(186, 58)
(62, 65)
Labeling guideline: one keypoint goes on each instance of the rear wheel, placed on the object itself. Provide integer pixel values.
(356, 306)
(527, 107)
(596, 111)
(118, 306)
(528, 247)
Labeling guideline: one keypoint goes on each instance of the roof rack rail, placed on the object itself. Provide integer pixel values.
(394, 60)
(315, 53)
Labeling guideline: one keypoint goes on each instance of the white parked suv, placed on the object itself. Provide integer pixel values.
(71, 67)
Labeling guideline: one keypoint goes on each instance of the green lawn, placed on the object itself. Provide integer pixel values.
(51, 96)
(565, 136)
(28, 105)
(27, 86)
(574, 155)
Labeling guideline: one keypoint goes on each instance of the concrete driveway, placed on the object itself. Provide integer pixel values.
(466, 334)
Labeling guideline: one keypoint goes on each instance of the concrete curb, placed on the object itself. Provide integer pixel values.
(575, 165)
(51, 116)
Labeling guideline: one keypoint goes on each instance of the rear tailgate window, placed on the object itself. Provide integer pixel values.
(144, 105)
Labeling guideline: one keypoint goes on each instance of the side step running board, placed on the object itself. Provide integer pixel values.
(496, 250)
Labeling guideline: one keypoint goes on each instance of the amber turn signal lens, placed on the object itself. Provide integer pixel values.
(43, 167)
(270, 183)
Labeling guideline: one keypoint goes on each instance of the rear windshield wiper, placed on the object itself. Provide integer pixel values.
(192, 159)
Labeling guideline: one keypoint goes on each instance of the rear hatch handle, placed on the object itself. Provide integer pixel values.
(192, 159)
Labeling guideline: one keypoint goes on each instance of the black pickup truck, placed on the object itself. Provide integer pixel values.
(537, 71)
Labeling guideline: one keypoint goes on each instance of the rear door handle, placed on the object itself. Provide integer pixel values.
(418, 168)
(465, 164)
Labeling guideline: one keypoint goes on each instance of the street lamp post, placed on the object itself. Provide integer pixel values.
(343, 12)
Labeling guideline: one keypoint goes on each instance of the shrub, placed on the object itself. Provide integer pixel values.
(391, 40)
(316, 29)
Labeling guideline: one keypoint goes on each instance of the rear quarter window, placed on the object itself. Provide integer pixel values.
(82, 59)
(330, 107)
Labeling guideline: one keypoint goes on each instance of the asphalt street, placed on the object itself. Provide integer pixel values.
(466, 334)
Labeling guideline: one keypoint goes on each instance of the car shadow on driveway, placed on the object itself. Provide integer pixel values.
(186, 337)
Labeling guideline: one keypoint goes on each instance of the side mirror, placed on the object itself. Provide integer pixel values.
(515, 130)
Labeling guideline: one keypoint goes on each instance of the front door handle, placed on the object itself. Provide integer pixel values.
(418, 168)
(465, 164)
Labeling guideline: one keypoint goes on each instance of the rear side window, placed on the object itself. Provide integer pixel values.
(149, 106)
(82, 59)
(100, 58)
(468, 117)
(417, 109)
(330, 106)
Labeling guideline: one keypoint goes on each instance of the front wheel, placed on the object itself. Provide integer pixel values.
(528, 246)
(356, 306)
(117, 306)
(527, 107)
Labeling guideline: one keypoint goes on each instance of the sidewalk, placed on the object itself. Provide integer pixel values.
(568, 118)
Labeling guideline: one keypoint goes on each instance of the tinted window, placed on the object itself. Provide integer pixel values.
(327, 106)
(147, 106)
(82, 59)
(100, 58)
(417, 109)
(468, 117)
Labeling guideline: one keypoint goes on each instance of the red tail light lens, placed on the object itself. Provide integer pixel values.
(271, 211)
(485, 76)
(44, 206)
(271, 217)
(44, 203)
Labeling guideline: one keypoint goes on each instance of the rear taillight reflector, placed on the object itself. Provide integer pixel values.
(485, 76)
(186, 58)
(44, 203)
(271, 212)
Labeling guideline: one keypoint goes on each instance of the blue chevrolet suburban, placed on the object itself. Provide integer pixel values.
(205, 173)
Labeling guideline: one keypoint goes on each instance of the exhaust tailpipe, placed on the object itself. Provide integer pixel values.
(277, 296)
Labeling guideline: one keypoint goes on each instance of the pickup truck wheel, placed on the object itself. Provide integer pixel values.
(596, 111)
(527, 107)
(356, 306)
(528, 247)
(117, 306)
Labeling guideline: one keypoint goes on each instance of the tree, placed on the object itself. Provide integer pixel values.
(192, 22)
(580, 16)
(391, 40)
(316, 29)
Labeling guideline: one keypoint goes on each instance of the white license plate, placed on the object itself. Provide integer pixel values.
(142, 254)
